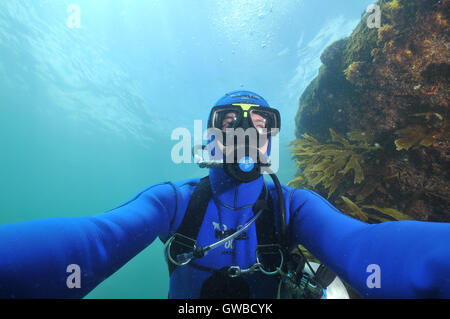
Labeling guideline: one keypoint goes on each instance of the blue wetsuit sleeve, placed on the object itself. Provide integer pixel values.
(405, 259)
(35, 255)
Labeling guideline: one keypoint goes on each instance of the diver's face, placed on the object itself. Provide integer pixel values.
(228, 120)
(258, 121)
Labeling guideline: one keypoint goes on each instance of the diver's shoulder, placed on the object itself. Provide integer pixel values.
(291, 192)
(169, 187)
(185, 186)
(271, 187)
(186, 183)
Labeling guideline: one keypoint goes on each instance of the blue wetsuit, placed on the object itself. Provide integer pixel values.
(414, 257)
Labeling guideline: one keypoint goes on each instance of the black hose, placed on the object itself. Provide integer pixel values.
(283, 230)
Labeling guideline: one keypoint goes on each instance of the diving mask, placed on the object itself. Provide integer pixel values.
(241, 115)
(241, 136)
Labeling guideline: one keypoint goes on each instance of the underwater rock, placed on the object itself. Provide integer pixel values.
(391, 83)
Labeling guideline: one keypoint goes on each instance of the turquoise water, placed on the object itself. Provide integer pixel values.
(86, 114)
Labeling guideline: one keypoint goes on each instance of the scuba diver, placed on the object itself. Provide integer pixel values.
(231, 234)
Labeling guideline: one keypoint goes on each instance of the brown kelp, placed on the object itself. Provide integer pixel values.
(372, 213)
(329, 164)
(427, 133)
(340, 167)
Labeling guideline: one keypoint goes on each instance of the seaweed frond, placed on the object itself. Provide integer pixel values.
(391, 212)
(424, 134)
(373, 213)
(372, 184)
(354, 210)
(328, 164)
(393, 5)
(412, 136)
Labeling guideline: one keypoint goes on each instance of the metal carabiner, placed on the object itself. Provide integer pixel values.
(236, 271)
(278, 270)
(182, 259)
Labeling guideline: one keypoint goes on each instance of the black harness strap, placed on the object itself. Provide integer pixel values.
(196, 210)
(193, 218)
(265, 226)
(268, 238)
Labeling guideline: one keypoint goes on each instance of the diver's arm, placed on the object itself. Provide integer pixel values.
(34, 256)
(413, 257)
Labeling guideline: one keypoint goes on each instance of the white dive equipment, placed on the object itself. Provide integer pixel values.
(304, 286)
